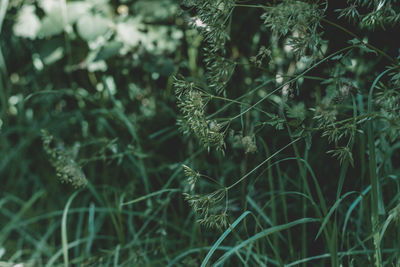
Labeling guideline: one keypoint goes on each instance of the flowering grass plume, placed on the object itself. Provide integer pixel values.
(192, 102)
(68, 171)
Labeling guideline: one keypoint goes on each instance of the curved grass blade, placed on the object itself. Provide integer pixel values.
(191, 251)
(150, 195)
(334, 207)
(222, 237)
(64, 238)
(261, 234)
(352, 207)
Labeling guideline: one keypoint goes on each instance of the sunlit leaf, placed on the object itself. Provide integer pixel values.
(27, 24)
(52, 24)
(90, 27)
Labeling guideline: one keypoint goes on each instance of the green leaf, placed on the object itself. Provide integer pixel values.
(337, 57)
(297, 111)
(52, 50)
(52, 24)
(396, 77)
(28, 24)
(366, 49)
(165, 10)
(346, 61)
(76, 10)
(308, 140)
(328, 81)
(54, 56)
(49, 6)
(90, 27)
(295, 123)
(129, 32)
(55, 20)
(332, 209)
(163, 66)
(354, 41)
(108, 50)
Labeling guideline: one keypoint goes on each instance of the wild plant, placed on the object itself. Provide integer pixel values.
(67, 169)
(321, 94)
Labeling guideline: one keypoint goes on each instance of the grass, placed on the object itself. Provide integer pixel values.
(284, 202)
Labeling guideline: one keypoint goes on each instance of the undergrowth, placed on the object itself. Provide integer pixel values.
(200, 133)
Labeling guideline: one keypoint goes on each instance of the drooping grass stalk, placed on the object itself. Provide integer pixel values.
(261, 164)
(252, 91)
(376, 49)
(294, 79)
(235, 102)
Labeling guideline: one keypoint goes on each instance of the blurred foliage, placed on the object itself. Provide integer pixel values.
(96, 77)
(138, 132)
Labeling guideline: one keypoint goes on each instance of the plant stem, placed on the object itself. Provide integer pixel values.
(262, 163)
(373, 176)
(376, 49)
(294, 79)
(252, 6)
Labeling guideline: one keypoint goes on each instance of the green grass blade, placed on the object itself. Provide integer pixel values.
(64, 237)
(352, 207)
(192, 251)
(373, 176)
(264, 233)
(254, 205)
(159, 192)
(222, 237)
(334, 207)
(5, 231)
(116, 256)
